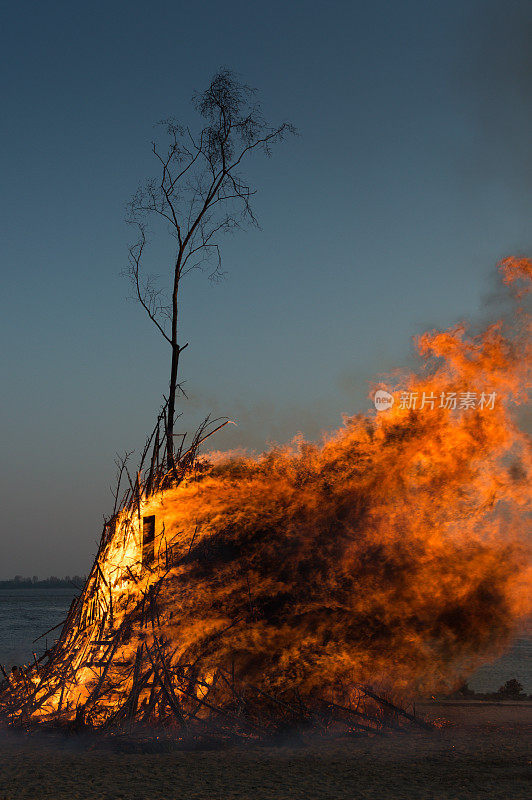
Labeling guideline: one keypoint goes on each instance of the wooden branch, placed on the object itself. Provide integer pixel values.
(368, 691)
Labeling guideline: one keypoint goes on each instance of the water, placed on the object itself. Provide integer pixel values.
(27, 613)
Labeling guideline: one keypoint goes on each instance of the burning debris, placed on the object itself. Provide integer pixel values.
(312, 584)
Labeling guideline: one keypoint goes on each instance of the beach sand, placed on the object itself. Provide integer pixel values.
(483, 752)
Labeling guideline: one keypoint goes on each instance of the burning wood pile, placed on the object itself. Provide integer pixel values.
(316, 586)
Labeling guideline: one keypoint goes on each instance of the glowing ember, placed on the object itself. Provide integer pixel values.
(394, 554)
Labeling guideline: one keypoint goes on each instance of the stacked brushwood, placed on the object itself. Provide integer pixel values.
(135, 681)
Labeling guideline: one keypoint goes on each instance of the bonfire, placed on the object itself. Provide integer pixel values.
(315, 585)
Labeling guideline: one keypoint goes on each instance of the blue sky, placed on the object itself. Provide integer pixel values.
(409, 180)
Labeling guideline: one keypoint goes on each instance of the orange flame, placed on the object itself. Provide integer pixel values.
(394, 552)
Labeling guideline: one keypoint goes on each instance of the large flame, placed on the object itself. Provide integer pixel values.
(394, 552)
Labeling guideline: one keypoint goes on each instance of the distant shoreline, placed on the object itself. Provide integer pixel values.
(525, 702)
(74, 582)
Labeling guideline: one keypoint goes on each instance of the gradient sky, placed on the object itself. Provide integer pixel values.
(387, 215)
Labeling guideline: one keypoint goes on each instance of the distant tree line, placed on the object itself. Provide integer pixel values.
(53, 582)
(511, 690)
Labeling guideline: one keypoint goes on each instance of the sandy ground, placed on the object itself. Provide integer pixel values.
(483, 753)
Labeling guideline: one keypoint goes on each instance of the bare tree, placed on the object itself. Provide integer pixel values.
(200, 193)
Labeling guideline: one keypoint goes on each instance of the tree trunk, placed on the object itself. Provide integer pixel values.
(170, 412)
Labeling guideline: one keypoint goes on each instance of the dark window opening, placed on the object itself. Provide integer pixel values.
(148, 539)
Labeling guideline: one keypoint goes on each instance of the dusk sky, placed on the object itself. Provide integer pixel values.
(386, 216)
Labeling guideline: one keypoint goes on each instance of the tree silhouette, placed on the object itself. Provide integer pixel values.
(511, 688)
(200, 193)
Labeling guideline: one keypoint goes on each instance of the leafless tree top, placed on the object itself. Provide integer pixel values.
(199, 189)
